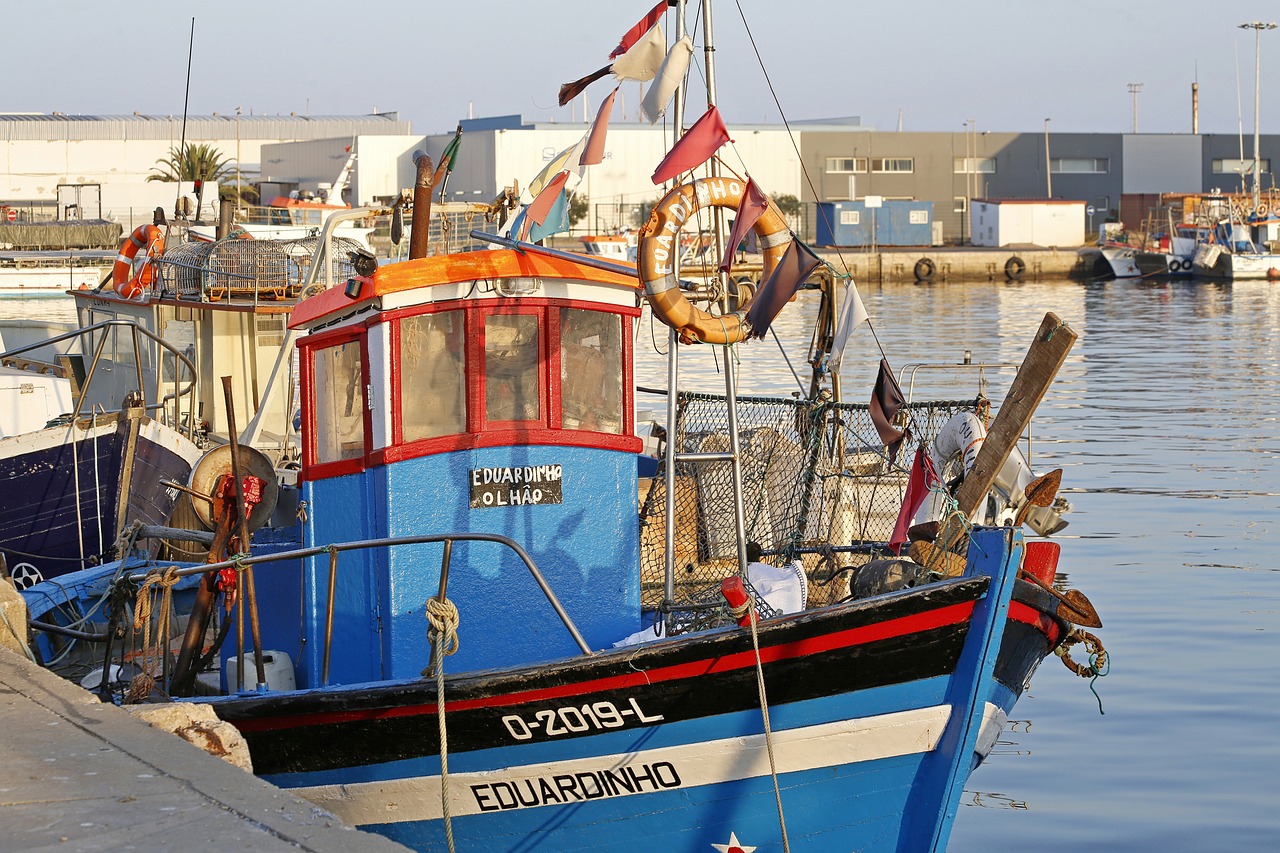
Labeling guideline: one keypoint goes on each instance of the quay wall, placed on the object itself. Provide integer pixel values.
(955, 264)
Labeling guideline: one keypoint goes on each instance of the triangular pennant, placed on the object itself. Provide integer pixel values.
(886, 401)
(695, 147)
(669, 77)
(793, 270)
(753, 205)
(540, 207)
(852, 315)
(593, 153)
(645, 25)
(643, 61)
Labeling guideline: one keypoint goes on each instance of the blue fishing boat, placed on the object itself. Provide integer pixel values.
(488, 632)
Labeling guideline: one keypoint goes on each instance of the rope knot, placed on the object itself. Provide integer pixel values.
(444, 619)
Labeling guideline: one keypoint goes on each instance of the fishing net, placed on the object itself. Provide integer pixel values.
(817, 485)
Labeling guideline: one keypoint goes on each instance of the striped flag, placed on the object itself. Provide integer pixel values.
(634, 34)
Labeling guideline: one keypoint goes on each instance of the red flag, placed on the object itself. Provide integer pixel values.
(886, 400)
(695, 147)
(922, 477)
(791, 272)
(753, 205)
(541, 206)
(594, 152)
(633, 35)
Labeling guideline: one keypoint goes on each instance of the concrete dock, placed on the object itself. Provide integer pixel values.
(80, 775)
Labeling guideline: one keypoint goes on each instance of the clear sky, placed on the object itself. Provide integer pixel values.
(936, 63)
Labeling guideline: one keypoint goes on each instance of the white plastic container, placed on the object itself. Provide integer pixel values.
(277, 665)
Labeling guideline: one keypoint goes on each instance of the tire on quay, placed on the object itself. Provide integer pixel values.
(1014, 268)
(924, 270)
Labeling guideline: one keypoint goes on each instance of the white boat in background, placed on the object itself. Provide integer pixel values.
(53, 271)
(1166, 253)
(294, 217)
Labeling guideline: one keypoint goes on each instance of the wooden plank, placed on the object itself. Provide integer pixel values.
(1044, 358)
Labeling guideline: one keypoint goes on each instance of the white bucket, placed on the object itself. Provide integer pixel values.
(277, 665)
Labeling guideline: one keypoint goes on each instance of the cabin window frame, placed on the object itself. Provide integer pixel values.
(309, 348)
(548, 429)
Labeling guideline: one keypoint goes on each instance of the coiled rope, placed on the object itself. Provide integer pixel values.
(152, 654)
(1099, 662)
(442, 614)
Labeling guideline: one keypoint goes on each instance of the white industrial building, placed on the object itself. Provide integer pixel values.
(39, 152)
(1027, 222)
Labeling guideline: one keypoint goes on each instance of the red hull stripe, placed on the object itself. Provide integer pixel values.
(890, 629)
(1028, 615)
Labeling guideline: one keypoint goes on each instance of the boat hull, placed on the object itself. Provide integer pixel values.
(664, 744)
(65, 487)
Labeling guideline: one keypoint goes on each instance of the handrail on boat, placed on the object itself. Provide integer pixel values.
(241, 561)
(178, 391)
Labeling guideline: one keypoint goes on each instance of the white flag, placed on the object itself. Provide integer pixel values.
(644, 59)
(853, 315)
(673, 70)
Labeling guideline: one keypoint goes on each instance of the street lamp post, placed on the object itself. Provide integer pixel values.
(1134, 89)
(1048, 164)
(1257, 27)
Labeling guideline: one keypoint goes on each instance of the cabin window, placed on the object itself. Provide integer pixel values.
(591, 370)
(512, 350)
(339, 400)
(433, 378)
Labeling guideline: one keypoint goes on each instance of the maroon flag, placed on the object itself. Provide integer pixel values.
(753, 205)
(569, 91)
(886, 400)
(594, 152)
(634, 34)
(541, 206)
(695, 147)
(791, 272)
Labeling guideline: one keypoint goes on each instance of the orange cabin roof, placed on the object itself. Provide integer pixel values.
(451, 269)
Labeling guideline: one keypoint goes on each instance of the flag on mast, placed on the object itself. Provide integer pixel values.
(753, 205)
(695, 147)
(852, 315)
(593, 152)
(669, 78)
(793, 270)
(638, 56)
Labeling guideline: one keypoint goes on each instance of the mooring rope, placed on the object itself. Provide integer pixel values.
(749, 606)
(442, 614)
(152, 654)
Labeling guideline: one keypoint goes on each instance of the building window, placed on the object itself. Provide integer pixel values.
(893, 164)
(843, 165)
(850, 217)
(975, 165)
(959, 204)
(339, 392)
(1240, 167)
(1080, 165)
(433, 374)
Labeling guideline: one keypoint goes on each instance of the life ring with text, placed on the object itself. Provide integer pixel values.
(659, 247)
(127, 282)
(1014, 268)
(924, 269)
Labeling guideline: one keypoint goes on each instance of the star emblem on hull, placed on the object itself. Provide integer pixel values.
(734, 846)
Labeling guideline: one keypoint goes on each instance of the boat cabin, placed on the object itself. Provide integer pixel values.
(490, 392)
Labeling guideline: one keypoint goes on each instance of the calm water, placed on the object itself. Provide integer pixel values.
(1165, 420)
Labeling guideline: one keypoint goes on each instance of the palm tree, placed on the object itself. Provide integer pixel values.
(200, 162)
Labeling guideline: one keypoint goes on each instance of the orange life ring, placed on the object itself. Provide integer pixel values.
(658, 248)
(127, 283)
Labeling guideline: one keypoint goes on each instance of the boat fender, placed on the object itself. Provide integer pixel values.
(924, 269)
(1014, 268)
(735, 592)
(659, 248)
(1262, 211)
(128, 283)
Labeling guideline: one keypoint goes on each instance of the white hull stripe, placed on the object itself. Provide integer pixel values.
(665, 768)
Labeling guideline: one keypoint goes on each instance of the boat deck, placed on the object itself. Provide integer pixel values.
(91, 776)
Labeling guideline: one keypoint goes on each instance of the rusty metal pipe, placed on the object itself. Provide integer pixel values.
(419, 236)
